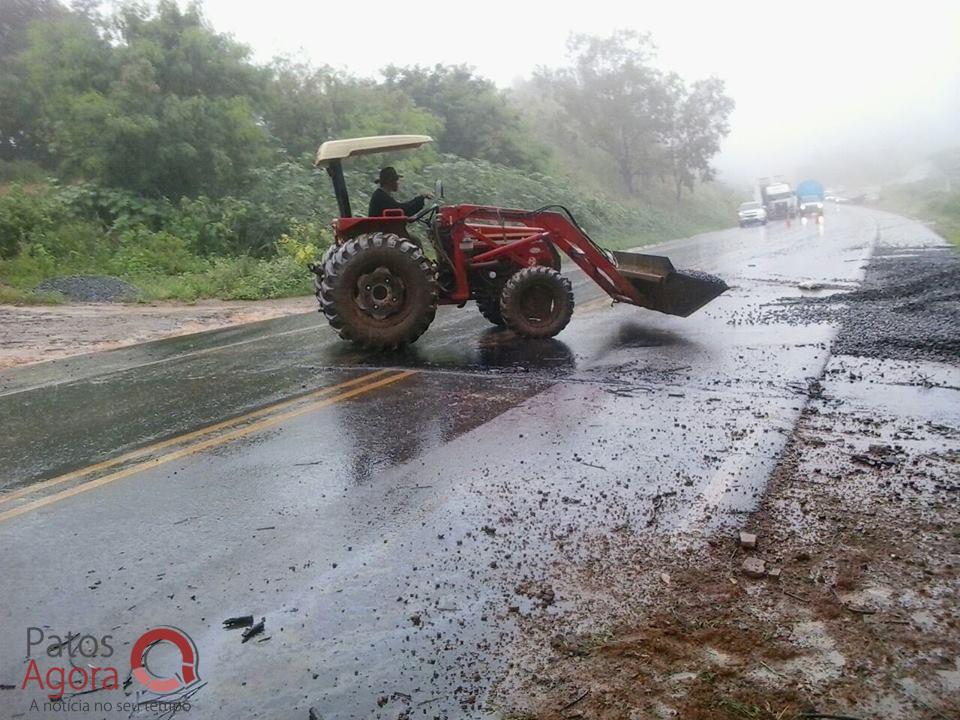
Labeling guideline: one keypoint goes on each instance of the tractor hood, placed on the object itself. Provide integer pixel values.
(340, 149)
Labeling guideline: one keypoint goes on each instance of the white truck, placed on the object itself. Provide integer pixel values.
(779, 200)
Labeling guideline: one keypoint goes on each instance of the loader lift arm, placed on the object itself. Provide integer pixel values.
(648, 281)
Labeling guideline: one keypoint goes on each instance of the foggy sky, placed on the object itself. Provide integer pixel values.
(811, 79)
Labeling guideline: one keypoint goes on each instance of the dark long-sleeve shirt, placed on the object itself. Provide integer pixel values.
(382, 200)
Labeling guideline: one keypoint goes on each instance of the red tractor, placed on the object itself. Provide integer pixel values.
(377, 288)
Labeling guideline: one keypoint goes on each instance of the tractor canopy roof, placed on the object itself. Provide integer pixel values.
(339, 149)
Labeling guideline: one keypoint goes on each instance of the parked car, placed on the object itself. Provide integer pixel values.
(752, 213)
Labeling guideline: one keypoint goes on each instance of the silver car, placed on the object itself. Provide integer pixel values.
(752, 213)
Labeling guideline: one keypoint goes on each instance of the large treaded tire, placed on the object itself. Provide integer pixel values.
(320, 268)
(365, 254)
(488, 303)
(537, 302)
(487, 296)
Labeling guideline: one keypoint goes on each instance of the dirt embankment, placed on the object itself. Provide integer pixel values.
(853, 612)
(37, 333)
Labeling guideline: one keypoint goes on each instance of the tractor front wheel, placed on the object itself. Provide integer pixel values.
(379, 291)
(537, 302)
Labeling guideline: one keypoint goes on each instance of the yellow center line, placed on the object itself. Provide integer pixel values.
(201, 446)
(150, 449)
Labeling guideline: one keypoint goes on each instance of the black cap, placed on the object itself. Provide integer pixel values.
(388, 174)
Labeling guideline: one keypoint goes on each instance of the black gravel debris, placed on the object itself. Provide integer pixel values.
(90, 288)
(908, 308)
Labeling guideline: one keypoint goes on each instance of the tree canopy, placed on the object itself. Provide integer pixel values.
(155, 101)
(478, 121)
(649, 123)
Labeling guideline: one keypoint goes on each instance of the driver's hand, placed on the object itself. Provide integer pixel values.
(427, 195)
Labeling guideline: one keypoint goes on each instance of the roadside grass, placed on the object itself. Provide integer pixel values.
(928, 201)
(14, 296)
(240, 278)
(237, 278)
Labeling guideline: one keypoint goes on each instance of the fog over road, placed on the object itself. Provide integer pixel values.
(379, 511)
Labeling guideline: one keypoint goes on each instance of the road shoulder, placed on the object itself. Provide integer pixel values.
(36, 333)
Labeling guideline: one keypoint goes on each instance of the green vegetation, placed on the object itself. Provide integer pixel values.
(935, 199)
(650, 124)
(147, 146)
(231, 248)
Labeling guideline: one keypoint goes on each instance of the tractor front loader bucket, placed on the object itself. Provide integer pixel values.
(664, 288)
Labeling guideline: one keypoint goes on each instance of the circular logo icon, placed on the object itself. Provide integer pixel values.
(189, 660)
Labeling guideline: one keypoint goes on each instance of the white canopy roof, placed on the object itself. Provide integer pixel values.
(339, 149)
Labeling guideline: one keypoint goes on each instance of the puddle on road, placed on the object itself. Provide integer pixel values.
(495, 350)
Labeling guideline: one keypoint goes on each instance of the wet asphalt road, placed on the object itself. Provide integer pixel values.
(379, 511)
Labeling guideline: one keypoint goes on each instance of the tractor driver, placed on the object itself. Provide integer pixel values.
(382, 198)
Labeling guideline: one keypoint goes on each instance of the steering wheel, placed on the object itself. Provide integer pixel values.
(425, 215)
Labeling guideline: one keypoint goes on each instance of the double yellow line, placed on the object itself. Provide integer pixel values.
(207, 437)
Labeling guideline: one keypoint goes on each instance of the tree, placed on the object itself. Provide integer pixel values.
(31, 28)
(300, 107)
(697, 120)
(154, 102)
(307, 105)
(188, 57)
(616, 98)
(478, 121)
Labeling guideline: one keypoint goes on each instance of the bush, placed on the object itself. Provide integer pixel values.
(142, 251)
(76, 247)
(114, 209)
(22, 214)
(207, 225)
(21, 172)
(28, 267)
(278, 277)
(237, 278)
(77, 244)
(304, 243)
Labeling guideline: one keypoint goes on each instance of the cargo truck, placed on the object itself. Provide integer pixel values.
(778, 200)
(810, 195)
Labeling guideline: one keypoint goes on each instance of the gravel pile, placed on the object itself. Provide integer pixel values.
(90, 288)
(908, 308)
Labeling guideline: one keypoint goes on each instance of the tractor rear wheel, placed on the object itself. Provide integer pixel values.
(379, 291)
(319, 268)
(537, 302)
